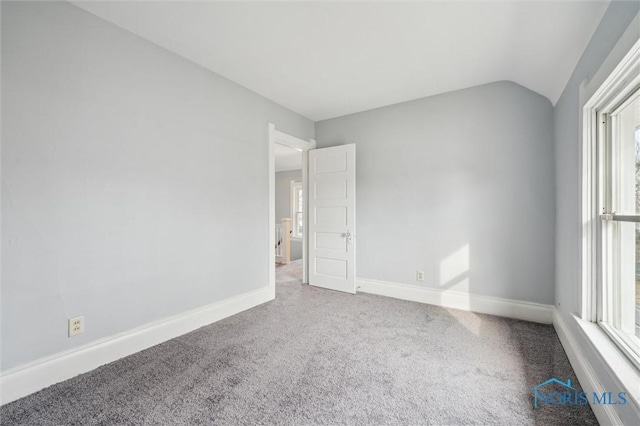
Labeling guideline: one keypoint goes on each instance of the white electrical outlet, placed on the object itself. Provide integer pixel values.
(420, 275)
(76, 326)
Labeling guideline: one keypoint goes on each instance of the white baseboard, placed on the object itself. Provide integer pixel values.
(527, 311)
(589, 381)
(26, 379)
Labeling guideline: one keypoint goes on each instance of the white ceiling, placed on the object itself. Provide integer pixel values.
(326, 59)
(287, 158)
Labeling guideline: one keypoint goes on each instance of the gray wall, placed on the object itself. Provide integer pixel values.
(460, 185)
(283, 204)
(567, 137)
(131, 178)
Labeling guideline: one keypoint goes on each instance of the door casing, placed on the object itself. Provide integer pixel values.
(278, 137)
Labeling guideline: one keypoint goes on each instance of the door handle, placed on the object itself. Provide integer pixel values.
(348, 235)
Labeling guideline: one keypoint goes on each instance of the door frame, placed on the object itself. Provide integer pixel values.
(278, 137)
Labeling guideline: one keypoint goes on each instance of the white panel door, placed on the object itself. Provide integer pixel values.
(332, 218)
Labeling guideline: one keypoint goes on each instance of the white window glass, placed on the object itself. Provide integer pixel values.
(620, 298)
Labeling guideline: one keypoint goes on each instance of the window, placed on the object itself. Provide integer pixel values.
(297, 225)
(620, 224)
(611, 207)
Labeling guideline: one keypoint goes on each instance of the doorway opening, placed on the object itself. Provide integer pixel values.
(288, 161)
(290, 209)
(327, 195)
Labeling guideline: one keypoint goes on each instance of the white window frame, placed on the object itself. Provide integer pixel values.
(617, 87)
(294, 184)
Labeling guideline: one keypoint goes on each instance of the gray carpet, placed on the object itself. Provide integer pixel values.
(316, 356)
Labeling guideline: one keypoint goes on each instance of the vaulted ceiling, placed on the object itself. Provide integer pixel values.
(327, 59)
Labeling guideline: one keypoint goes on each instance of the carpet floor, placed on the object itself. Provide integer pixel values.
(319, 357)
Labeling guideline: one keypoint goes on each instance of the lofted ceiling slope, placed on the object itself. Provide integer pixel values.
(327, 59)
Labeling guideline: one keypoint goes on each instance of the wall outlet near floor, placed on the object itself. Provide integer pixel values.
(420, 275)
(76, 326)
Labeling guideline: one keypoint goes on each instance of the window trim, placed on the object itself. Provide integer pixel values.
(293, 184)
(615, 90)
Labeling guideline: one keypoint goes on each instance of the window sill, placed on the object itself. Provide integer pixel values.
(624, 373)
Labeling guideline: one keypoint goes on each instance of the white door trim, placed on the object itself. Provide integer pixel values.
(276, 136)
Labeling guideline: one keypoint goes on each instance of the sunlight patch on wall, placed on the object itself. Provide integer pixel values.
(454, 270)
